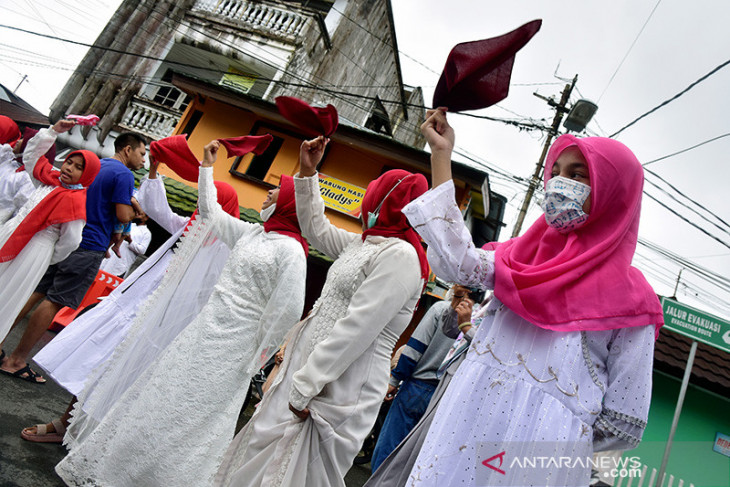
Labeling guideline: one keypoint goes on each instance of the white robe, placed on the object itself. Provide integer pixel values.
(173, 424)
(524, 391)
(15, 187)
(20, 276)
(337, 361)
(89, 340)
(129, 251)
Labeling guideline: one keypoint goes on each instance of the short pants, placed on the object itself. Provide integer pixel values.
(66, 282)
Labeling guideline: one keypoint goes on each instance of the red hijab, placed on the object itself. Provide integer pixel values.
(9, 131)
(59, 206)
(227, 198)
(391, 221)
(583, 280)
(284, 220)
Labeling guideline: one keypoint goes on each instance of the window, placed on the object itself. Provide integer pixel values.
(279, 158)
(260, 165)
(379, 120)
(170, 96)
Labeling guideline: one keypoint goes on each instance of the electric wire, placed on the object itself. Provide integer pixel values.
(687, 198)
(687, 149)
(631, 47)
(695, 225)
(506, 176)
(666, 102)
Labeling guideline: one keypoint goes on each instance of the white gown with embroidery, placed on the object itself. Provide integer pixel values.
(523, 391)
(89, 340)
(20, 276)
(337, 361)
(173, 424)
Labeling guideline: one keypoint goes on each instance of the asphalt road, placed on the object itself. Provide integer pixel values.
(26, 464)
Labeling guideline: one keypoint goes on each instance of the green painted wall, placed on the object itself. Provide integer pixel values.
(692, 458)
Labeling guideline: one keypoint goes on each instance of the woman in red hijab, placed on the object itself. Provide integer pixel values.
(195, 388)
(561, 365)
(47, 228)
(327, 394)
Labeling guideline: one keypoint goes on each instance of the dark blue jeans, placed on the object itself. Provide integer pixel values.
(407, 408)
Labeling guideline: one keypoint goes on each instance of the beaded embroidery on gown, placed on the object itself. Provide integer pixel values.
(521, 389)
(336, 364)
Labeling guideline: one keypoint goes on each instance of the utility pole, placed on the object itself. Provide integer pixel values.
(25, 76)
(560, 110)
(676, 286)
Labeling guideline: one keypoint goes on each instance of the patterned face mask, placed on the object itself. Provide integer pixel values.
(563, 204)
(267, 212)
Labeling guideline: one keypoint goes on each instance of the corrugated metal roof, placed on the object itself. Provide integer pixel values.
(19, 110)
(711, 369)
(183, 199)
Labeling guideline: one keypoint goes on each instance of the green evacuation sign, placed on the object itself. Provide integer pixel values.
(696, 324)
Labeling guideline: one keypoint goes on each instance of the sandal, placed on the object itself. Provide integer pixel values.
(30, 375)
(42, 435)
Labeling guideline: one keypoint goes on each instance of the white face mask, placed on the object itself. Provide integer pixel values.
(563, 204)
(267, 212)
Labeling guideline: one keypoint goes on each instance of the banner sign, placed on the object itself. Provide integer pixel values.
(341, 196)
(238, 80)
(696, 324)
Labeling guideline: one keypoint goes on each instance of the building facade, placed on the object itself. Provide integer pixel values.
(342, 52)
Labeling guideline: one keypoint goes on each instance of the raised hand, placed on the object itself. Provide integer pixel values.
(63, 126)
(210, 153)
(439, 134)
(310, 155)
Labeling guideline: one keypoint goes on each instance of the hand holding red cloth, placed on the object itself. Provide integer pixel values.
(176, 154)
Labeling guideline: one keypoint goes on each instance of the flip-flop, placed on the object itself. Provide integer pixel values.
(30, 376)
(42, 435)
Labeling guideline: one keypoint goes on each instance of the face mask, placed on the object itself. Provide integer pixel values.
(267, 212)
(563, 204)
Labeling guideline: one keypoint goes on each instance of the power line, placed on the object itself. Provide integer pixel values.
(686, 150)
(629, 50)
(516, 123)
(671, 196)
(717, 239)
(666, 102)
(690, 200)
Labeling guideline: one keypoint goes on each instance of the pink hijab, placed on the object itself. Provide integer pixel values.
(583, 280)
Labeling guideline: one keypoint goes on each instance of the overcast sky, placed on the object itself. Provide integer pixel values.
(681, 42)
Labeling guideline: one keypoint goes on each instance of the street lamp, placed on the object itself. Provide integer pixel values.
(578, 117)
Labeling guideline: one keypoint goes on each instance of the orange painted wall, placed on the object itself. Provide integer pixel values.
(221, 120)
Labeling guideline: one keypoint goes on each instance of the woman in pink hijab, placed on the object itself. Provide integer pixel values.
(561, 366)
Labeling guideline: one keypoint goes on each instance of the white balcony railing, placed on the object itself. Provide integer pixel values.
(150, 119)
(278, 21)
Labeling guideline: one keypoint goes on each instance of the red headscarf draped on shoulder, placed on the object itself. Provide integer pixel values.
(583, 280)
(391, 221)
(284, 220)
(59, 206)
